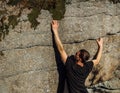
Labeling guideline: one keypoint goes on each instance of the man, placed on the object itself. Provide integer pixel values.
(77, 67)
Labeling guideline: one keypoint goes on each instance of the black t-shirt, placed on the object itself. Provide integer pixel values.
(76, 75)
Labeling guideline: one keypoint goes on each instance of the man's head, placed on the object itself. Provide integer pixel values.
(82, 55)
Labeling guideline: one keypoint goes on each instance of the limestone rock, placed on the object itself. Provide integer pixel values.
(27, 56)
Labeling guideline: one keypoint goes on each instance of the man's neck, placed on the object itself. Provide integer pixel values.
(80, 63)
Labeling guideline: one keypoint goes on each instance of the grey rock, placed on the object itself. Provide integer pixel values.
(27, 58)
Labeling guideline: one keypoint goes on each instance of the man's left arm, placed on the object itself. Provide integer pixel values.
(99, 52)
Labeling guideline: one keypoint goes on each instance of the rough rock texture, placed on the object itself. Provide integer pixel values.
(27, 58)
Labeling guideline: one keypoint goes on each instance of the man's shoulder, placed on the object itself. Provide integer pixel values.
(90, 63)
(70, 59)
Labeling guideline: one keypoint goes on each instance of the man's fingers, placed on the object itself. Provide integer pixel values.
(54, 22)
(99, 39)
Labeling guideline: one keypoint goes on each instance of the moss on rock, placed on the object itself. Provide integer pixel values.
(56, 7)
(3, 31)
(59, 9)
(13, 20)
(32, 17)
(3, 28)
(2, 12)
(13, 2)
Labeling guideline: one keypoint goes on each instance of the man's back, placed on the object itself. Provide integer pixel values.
(76, 75)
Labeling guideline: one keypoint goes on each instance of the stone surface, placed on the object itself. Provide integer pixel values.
(27, 57)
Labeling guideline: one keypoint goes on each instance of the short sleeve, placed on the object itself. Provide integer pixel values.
(89, 66)
(69, 60)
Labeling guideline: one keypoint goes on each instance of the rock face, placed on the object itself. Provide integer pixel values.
(28, 60)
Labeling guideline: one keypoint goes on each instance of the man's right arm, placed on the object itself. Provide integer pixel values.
(58, 42)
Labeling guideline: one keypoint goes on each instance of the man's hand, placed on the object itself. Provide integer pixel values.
(100, 42)
(55, 25)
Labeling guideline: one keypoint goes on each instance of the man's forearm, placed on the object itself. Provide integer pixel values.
(58, 41)
(99, 54)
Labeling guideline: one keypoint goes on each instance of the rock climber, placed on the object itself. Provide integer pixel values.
(77, 66)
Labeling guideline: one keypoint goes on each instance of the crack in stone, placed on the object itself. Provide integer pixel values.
(29, 71)
(105, 13)
(108, 34)
(118, 32)
(74, 42)
(26, 47)
(47, 68)
(105, 88)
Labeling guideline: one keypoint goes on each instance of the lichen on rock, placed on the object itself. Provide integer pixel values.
(3, 28)
(14, 8)
(32, 17)
(56, 7)
(13, 20)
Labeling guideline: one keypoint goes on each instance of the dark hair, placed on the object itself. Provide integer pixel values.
(84, 55)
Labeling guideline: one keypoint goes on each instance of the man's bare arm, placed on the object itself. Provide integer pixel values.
(58, 42)
(99, 52)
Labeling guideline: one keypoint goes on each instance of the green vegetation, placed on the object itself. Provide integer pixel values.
(32, 17)
(3, 31)
(2, 12)
(13, 20)
(56, 7)
(13, 2)
(3, 28)
(58, 10)
(115, 1)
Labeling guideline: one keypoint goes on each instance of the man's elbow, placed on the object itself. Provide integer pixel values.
(95, 61)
